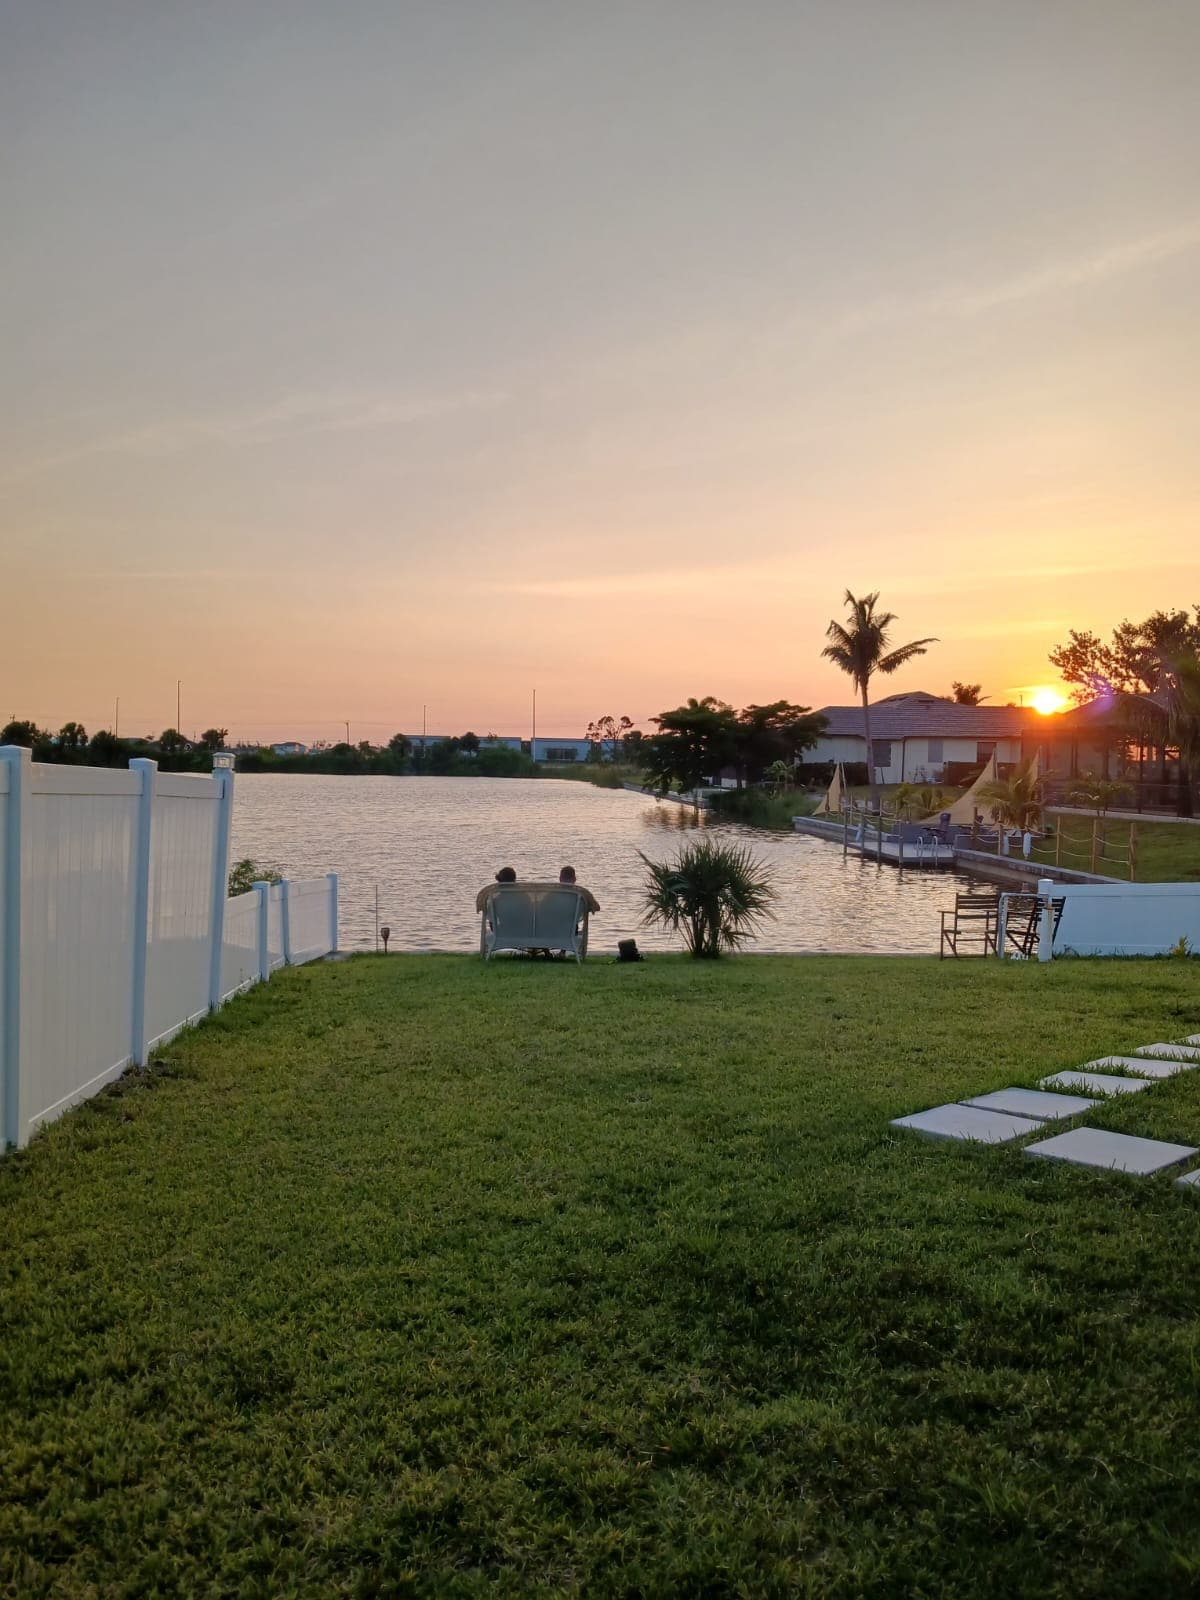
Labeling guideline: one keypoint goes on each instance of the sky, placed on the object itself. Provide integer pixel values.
(372, 357)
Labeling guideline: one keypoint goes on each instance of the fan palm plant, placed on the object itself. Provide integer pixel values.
(860, 647)
(717, 895)
(1015, 802)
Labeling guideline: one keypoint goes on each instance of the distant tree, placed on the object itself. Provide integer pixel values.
(171, 742)
(780, 774)
(72, 736)
(611, 732)
(400, 747)
(967, 694)
(469, 744)
(1133, 661)
(23, 733)
(213, 739)
(773, 733)
(443, 755)
(693, 742)
(860, 647)
(106, 750)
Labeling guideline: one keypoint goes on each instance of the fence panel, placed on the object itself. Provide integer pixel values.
(308, 918)
(275, 925)
(1127, 919)
(115, 929)
(179, 926)
(77, 871)
(239, 948)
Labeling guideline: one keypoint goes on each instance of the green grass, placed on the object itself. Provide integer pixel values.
(411, 1275)
(1167, 852)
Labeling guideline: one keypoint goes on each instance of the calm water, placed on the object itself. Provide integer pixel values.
(428, 844)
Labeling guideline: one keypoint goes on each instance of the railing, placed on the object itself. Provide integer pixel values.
(1092, 842)
(115, 926)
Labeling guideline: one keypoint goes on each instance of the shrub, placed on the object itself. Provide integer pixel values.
(717, 895)
(246, 873)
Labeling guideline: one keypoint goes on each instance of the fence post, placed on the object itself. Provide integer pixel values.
(332, 880)
(1046, 931)
(285, 919)
(17, 760)
(1095, 843)
(147, 772)
(1133, 839)
(223, 780)
(263, 890)
(1058, 828)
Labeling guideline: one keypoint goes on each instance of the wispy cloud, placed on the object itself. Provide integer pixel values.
(287, 415)
(961, 300)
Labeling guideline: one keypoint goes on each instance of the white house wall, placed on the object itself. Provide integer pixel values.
(918, 765)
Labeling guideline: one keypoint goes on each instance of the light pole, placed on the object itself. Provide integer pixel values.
(178, 705)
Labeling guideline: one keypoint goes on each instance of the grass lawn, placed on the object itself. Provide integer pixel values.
(1167, 852)
(411, 1275)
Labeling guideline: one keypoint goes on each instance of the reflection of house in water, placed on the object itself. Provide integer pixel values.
(1120, 737)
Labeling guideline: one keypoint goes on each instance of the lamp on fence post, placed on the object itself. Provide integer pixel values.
(385, 933)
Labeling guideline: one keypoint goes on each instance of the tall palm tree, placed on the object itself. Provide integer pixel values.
(860, 648)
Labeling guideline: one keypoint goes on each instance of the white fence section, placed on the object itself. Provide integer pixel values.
(239, 946)
(115, 927)
(1126, 919)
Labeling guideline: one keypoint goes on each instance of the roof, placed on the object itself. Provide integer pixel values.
(1109, 710)
(927, 716)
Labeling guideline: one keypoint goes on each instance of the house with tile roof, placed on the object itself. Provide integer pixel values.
(915, 736)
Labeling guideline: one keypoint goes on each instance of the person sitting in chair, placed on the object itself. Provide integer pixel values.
(505, 875)
(566, 877)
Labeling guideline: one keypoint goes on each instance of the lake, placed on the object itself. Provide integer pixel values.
(427, 845)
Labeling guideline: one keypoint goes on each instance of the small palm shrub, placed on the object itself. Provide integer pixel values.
(717, 895)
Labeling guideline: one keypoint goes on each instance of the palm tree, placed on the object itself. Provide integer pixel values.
(1015, 802)
(860, 648)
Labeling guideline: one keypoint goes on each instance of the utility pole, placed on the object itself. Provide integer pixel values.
(533, 727)
(423, 709)
(347, 730)
(117, 719)
(178, 704)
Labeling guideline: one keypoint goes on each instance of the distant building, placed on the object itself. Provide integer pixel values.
(290, 747)
(916, 736)
(559, 752)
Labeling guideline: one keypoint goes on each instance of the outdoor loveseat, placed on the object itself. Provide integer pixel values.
(533, 916)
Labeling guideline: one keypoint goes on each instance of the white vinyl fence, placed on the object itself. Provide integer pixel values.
(1116, 919)
(115, 926)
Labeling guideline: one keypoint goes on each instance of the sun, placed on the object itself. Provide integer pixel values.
(1047, 701)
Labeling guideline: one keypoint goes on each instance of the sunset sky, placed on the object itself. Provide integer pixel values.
(360, 356)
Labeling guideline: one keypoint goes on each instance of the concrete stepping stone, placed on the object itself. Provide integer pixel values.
(1139, 1066)
(1190, 1180)
(1095, 1083)
(968, 1122)
(1112, 1152)
(1172, 1052)
(1192, 1038)
(1034, 1103)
